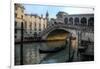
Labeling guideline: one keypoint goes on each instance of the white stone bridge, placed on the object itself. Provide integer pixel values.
(75, 30)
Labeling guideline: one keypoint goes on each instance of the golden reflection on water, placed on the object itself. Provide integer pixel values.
(56, 43)
(58, 39)
(58, 36)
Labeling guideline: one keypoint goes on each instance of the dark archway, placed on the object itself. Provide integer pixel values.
(62, 35)
(70, 20)
(66, 20)
(57, 34)
(76, 20)
(83, 21)
(91, 21)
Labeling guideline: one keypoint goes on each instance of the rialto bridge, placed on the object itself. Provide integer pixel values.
(78, 27)
(75, 31)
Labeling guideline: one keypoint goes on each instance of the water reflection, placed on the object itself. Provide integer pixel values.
(31, 54)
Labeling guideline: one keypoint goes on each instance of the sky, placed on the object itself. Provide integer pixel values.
(53, 10)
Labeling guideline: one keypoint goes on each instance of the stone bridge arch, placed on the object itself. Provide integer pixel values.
(47, 31)
(74, 31)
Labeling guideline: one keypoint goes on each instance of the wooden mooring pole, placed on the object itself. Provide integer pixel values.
(21, 45)
(69, 47)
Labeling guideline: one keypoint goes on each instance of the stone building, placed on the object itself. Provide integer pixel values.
(19, 18)
(33, 24)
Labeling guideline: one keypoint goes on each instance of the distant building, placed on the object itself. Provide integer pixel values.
(33, 24)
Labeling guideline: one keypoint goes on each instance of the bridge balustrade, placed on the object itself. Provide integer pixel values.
(75, 27)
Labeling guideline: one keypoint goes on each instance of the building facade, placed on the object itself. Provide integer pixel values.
(19, 18)
(32, 23)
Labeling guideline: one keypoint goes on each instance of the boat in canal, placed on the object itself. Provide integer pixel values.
(53, 50)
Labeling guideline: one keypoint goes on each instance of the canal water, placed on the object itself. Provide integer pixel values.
(32, 54)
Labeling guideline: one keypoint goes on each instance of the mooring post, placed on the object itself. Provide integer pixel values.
(79, 42)
(69, 44)
(21, 45)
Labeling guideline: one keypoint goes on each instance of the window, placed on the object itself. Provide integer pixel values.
(39, 32)
(39, 27)
(91, 21)
(22, 16)
(25, 25)
(15, 15)
(83, 21)
(22, 10)
(44, 26)
(30, 26)
(35, 26)
(76, 20)
(35, 34)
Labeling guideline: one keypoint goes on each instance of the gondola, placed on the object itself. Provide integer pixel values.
(57, 49)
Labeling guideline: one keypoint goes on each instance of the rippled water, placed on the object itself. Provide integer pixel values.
(31, 54)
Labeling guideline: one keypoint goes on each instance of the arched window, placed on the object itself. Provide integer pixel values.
(25, 25)
(83, 21)
(30, 27)
(35, 25)
(71, 20)
(76, 20)
(66, 20)
(43, 26)
(91, 21)
(39, 27)
(35, 34)
(21, 16)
